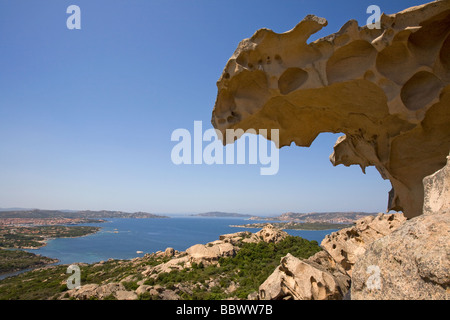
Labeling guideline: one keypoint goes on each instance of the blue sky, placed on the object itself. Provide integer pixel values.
(86, 115)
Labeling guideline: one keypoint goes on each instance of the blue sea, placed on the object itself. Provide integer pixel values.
(120, 238)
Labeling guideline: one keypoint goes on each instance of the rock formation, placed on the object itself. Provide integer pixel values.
(413, 262)
(300, 280)
(437, 191)
(347, 245)
(208, 254)
(326, 275)
(386, 89)
(270, 234)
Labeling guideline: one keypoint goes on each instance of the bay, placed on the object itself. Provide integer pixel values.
(121, 238)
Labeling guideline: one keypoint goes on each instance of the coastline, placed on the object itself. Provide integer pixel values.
(300, 226)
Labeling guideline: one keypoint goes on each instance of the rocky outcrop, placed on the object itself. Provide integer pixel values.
(347, 245)
(106, 291)
(327, 274)
(437, 191)
(270, 234)
(301, 280)
(386, 89)
(413, 262)
(206, 254)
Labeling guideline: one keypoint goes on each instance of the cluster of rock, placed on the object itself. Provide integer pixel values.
(327, 274)
(413, 261)
(383, 257)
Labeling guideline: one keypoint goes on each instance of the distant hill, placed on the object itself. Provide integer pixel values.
(322, 217)
(39, 214)
(218, 214)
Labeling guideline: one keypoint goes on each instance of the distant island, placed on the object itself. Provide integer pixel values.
(86, 214)
(218, 214)
(319, 217)
(296, 225)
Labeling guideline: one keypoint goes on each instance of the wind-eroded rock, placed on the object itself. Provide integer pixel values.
(347, 245)
(208, 254)
(327, 274)
(301, 280)
(437, 191)
(116, 290)
(271, 234)
(413, 262)
(386, 89)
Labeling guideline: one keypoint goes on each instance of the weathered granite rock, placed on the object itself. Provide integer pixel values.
(437, 191)
(88, 291)
(173, 264)
(270, 234)
(300, 280)
(169, 252)
(326, 261)
(234, 238)
(334, 264)
(386, 89)
(210, 254)
(347, 245)
(413, 262)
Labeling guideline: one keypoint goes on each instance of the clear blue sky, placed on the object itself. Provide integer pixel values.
(86, 115)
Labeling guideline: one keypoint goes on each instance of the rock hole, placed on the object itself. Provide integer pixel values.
(350, 61)
(420, 90)
(278, 59)
(291, 80)
(444, 55)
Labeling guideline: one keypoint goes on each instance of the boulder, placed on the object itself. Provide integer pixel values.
(234, 238)
(409, 264)
(210, 254)
(126, 295)
(169, 252)
(437, 190)
(90, 291)
(347, 245)
(413, 261)
(300, 280)
(271, 234)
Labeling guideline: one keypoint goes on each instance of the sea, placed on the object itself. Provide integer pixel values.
(123, 238)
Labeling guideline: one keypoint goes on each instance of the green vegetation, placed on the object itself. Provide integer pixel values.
(34, 237)
(251, 266)
(38, 284)
(233, 277)
(14, 260)
(87, 214)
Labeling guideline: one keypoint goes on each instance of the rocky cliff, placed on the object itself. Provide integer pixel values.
(386, 89)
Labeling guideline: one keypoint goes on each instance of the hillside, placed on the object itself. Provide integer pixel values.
(40, 214)
(319, 217)
(232, 267)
